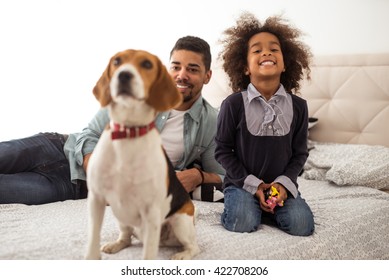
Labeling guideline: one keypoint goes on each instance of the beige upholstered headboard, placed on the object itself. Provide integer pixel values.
(349, 94)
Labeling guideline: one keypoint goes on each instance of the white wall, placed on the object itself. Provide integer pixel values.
(52, 52)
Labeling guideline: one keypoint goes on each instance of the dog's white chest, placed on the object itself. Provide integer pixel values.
(129, 174)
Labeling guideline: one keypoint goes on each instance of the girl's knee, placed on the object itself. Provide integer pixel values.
(240, 223)
(241, 211)
(299, 225)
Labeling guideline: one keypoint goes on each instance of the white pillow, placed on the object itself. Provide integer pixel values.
(349, 164)
(312, 122)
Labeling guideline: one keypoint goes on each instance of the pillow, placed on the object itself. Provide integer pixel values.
(211, 192)
(312, 122)
(349, 164)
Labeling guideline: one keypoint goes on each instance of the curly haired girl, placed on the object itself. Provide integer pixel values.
(262, 127)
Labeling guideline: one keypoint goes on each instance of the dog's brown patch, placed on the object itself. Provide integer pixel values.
(187, 208)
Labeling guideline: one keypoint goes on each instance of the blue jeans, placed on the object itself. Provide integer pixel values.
(242, 213)
(34, 170)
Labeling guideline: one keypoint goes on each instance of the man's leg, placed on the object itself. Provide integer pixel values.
(34, 170)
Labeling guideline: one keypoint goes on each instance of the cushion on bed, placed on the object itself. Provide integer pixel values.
(349, 164)
(312, 122)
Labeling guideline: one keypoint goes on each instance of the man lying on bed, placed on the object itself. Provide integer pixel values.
(48, 167)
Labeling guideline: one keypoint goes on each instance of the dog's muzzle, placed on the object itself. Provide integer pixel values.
(124, 83)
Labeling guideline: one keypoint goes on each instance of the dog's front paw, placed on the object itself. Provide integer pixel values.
(116, 246)
(181, 256)
(93, 256)
(187, 254)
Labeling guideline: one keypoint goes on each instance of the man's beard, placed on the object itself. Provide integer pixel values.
(188, 97)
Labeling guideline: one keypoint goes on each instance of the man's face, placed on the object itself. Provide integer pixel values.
(188, 71)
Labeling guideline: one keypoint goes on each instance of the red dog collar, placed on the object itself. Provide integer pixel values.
(121, 131)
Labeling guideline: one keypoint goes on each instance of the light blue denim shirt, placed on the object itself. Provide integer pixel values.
(199, 137)
(80, 144)
(199, 145)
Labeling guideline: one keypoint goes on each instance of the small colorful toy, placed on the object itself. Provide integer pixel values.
(271, 197)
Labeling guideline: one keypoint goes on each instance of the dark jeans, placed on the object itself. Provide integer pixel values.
(34, 170)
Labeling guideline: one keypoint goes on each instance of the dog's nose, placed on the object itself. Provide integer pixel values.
(124, 83)
(125, 77)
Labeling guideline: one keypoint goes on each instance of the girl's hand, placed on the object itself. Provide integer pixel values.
(283, 195)
(260, 194)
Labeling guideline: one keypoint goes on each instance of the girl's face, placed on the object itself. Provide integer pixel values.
(264, 57)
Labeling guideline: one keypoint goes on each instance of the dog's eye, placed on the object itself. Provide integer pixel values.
(146, 64)
(117, 61)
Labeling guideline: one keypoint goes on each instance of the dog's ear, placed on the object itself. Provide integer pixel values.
(101, 90)
(163, 94)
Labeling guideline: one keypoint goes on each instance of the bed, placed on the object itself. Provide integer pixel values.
(345, 181)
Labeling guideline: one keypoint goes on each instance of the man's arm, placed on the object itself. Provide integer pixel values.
(88, 138)
(193, 177)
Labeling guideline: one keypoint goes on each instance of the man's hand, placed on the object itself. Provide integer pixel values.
(86, 160)
(189, 178)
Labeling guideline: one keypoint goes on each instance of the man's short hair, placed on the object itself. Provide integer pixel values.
(197, 45)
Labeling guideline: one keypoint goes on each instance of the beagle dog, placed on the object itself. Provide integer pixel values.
(129, 169)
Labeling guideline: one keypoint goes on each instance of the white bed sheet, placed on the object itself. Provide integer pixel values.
(351, 222)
